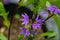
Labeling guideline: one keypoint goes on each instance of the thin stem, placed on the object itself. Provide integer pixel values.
(48, 18)
(12, 12)
(10, 27)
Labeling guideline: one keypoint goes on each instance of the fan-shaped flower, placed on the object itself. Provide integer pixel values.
(25, 19)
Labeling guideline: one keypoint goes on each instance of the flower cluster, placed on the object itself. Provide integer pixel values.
(35, 25)
(53, 8)
(37, 22)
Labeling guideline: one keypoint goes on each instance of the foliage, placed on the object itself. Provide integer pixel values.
(4, 15)
(35, 8)
(20, 36)
(17, 16)
(25, 2)
(2, 37)
(49, 33)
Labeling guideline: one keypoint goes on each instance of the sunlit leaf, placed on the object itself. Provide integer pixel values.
(2, 37)
(47, 3)
(6, 23)
(49, 33)
(53, 2)
(2, 7)
(24, 2)
(4, 15)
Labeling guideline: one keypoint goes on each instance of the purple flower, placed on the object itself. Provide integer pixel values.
(35, 25)
(51, 8)
(6, 1)
(59, 11)
(33, 32)
(25, 32)
(25, 19)
(56, 11)
(45, 12)
(39, 20)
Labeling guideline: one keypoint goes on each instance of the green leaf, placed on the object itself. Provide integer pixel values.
(25, 2)
(2, 37)
(2, 12)
(20, 37)
(36, 6)
(30, 37)
(4, 15)
(6, 23)
(2, 7)
(49, 33)
(43, 3)
(17, 16)
(53, 2)
(1, 4)
(48, 3)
